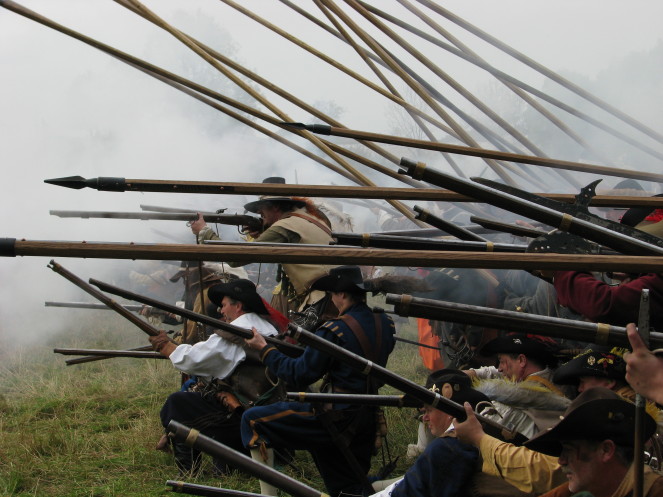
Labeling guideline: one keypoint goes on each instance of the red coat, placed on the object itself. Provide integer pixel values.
(615, 305)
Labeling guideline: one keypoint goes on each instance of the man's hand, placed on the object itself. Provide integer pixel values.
(469, 431)
(198, 224)
(257, 342)
(162, 343)
(644, 370)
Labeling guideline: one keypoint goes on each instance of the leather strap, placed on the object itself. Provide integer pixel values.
(312, 220)
(545, 383)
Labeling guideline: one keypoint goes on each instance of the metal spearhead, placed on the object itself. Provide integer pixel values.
(101, 183)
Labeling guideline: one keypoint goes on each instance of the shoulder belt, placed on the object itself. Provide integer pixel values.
(371, 353)
(312, 220)
(549, 385)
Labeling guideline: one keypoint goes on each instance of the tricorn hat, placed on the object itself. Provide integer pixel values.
(534, 346)
(242, 290)
(341, 279)
(455, 385)
(592, 361)
(255, 205)
(596, 414)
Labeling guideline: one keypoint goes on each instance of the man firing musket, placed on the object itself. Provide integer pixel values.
(289, 220)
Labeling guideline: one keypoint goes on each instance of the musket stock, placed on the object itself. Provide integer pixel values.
(404, 385)
(193, 438)
(355, 399)
(614, 235)
(458, 231)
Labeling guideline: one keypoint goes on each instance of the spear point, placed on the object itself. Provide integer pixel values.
(101, 183)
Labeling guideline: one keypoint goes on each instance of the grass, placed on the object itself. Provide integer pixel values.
(89, 430)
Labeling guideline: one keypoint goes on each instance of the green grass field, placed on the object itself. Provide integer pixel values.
(90, 429)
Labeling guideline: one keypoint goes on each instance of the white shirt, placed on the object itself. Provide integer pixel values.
(216, 357)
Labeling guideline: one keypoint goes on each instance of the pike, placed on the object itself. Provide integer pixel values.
(324, 129)
(253, 223)
(600, 333)
(406, 386)
(286, 348)
(284, 253)
(355, 399)
(119, 184)
(573, 219)
(193, 438)
(414, 243)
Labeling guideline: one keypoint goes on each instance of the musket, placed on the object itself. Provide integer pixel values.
(414, 243)
(141, 354)
(513, 229)
(459, 232)
(91, 305)
(117, 184)
(584, 331)
(406, 386)
(285, 347)
(252, 222)
(181, 487)
(324, 129)
(193, 438)
(159, 208)
(143, 325)
(609, 233)
(303, 254)
(93, 358)
(355, 399)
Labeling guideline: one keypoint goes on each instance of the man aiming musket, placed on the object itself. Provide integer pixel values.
(289, 220)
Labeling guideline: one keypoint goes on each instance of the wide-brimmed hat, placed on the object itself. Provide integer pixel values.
(341, 279)
(535, 347)
(596, 414)
(242, 290)
(593, 361)
(255, 205)
(455, 385)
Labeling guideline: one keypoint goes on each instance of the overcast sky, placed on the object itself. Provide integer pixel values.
(68, 109)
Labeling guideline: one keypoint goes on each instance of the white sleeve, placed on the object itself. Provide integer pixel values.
(215, 357)
(388, 490)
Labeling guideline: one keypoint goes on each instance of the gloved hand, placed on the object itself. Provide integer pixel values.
(162, 343)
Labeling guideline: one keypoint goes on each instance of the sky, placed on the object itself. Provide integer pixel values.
(68, 109)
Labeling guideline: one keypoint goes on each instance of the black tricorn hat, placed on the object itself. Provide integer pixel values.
(455, 385)
(591, 362)
(242, 290)
(534, 346)
(255, 205)
(341, 279)
(596, 414)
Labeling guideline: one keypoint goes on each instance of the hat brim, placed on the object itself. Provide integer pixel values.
(505, 345)
(252, 302)
(332, 283)
(256, 204)
(571, 372)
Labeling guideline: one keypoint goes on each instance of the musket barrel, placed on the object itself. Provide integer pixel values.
(193, 438)
(286, 348)
(233, 219)
(143, 325)
(358, 399)
(457, 231)
(144, 354)
(414, 243)
(551, 217)
(404, 385)
(284, 253)
(93, 358)
(181, 487)
(600, 333)
(91, 305)
(507, 228)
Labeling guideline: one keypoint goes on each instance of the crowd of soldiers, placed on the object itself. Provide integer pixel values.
(576, 412)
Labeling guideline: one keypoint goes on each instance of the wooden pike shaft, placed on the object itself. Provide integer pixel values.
(285, 253)
(351, 192)
(491, 154)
